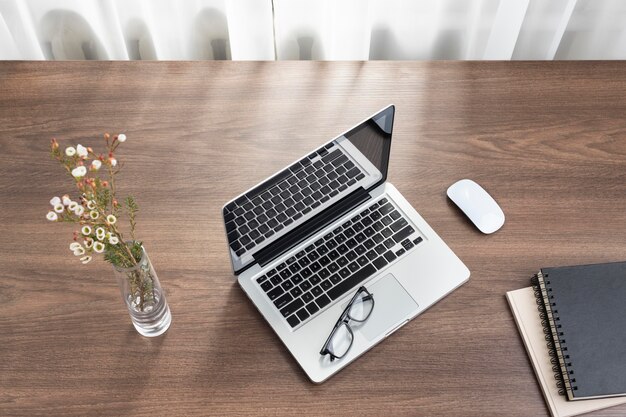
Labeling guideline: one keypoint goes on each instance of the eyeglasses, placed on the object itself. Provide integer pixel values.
(340, 340)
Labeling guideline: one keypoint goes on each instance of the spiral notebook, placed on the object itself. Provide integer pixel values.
(524, 308)
(583, 311)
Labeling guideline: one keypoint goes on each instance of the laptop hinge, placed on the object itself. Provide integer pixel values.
(311, 226)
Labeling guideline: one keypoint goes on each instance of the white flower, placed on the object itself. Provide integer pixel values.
(100, 233)
(91, 204)
(66, 200)
(111, 219)
(113, 161)
(81, 151)
(52, 216)
(79, 211)
(121, 137)
(59, 208)
(70, 151)
(94, 214)
(88, 242)
(72, 206)
(96, 164)
(79, 251)
(86, 230)
(74, 246)
(55, 201)
(85, 259)
(113, 240)
(79, 171)
(98, 247)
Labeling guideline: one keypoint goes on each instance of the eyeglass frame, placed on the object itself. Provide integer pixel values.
(345, 318)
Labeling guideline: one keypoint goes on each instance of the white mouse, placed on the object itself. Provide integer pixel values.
(477, 205)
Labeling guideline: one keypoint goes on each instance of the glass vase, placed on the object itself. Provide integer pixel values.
(143, 296)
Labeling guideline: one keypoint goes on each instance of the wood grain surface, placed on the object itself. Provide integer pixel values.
(546, 139)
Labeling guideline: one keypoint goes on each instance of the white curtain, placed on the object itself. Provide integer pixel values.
(312, 29)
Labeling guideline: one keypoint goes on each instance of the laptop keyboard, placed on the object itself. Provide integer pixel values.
(288, 196)
(310, 280)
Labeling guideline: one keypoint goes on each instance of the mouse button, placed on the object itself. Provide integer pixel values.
(490, 222)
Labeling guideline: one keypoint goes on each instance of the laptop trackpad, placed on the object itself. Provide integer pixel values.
(392, 305)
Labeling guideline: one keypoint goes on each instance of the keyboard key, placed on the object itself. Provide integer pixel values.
(266, 286)
(292, 307)
(404, 233)
(380, 262)
(303, 314)
(283, 300)
(276, 279)
(312, 307)
(296, 292)
(400, 252)
(401, 223)
(297, 279)
(353, 172)
(306, 285)
(340, 161)
(316, 291)
(390, 256)
(334, 154)
(343, 287)
(323, 301)
(326, 284)
(417, 240)
(315, 266)
(293, 321)
(275, 293)
(335, 279)
(307, 297)
(287, 285)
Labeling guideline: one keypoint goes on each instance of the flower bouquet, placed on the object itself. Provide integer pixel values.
(96, 213)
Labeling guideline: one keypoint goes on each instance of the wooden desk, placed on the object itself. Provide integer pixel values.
(547, 139)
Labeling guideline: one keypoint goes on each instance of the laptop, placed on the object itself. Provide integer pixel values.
(303, 242)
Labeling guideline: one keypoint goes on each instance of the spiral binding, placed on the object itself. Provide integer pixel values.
(561, 366)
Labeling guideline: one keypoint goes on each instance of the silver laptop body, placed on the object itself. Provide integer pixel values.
(304, 240)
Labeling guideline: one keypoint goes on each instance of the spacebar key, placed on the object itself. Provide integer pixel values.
(354, 279)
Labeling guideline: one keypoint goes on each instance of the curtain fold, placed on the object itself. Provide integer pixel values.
(312, 29)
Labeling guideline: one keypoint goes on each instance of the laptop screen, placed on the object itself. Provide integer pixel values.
(373, 139)
(266, 219)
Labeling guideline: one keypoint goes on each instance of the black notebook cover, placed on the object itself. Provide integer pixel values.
(584, 317)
